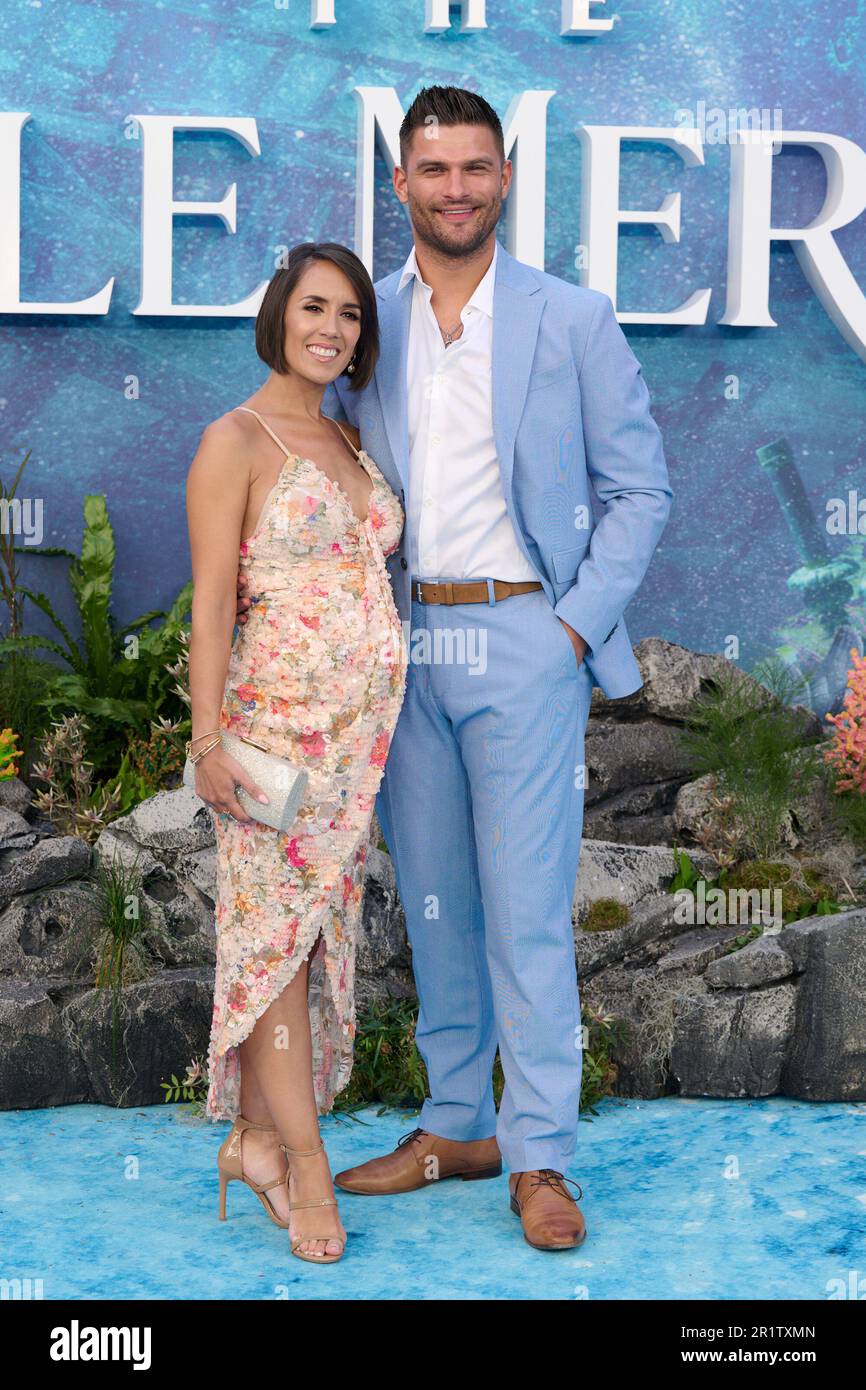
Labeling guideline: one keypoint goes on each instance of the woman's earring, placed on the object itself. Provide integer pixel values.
(351, 366)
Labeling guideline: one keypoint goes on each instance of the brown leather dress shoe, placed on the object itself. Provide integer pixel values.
(419, 1159)
(550, 1216)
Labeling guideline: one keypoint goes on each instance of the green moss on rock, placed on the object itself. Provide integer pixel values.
(606, 914)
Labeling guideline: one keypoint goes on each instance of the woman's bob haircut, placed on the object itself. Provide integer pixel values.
(270, 318)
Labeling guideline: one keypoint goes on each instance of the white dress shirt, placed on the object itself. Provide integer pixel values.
(458, 525)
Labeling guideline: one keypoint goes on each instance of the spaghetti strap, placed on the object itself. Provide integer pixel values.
(355, 451)
(275, 437)
(277, 440)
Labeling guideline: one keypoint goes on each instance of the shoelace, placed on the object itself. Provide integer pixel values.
(549, 1177)
(407, 1138)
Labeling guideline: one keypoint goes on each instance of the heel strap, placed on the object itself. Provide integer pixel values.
(301, 1153)
(241, 1123)
(314, 1202)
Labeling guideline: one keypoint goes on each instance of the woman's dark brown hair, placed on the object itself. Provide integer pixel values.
(270, 328)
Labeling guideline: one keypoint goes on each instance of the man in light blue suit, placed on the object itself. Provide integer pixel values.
(505, 400)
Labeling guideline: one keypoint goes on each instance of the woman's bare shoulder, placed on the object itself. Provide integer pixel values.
(232, 428)
(224, 446)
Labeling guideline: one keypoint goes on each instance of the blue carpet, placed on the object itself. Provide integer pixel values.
(683, 1199)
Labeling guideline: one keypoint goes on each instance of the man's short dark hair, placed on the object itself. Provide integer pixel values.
(435, 106)
(270, 320)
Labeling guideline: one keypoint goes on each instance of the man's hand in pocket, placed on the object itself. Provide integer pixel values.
(576, 641)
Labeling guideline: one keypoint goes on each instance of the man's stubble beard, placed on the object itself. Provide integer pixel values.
(422, 224)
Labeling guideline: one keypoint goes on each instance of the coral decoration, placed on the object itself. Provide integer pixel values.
(848, 750)
(9, 751)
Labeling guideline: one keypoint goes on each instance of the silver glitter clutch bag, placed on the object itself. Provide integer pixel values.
(283, 784)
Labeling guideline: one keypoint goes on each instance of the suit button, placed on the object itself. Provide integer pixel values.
(404, 565)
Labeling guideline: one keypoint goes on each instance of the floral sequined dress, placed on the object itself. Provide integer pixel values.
(317, 675)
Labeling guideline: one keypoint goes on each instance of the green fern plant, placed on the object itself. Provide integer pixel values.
(120, 676)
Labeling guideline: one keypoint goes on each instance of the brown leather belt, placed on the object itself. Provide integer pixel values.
(470, 590)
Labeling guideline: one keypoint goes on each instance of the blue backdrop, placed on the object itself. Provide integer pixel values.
(82, 68)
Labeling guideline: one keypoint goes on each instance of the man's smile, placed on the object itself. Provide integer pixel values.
(457, 214)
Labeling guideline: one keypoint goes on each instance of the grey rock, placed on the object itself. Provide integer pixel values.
(697, 949)
(629, 873)
(164, 1023)
(673, 677)
(808, 820)
(115, 848)
(733, 1042)
(174, 884)
(200, 870)
(827, 1056)
(383, 960)
(645, 1003)
(762, 962)
(15, 833)
(174, 822)
(651, 923)
(50, 932)
(16, 796)
(48, 862)
(635, 815)
(38, 1066)
(621, 755)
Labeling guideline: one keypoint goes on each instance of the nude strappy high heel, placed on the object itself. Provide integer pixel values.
(322, 1259)
(231, 1169)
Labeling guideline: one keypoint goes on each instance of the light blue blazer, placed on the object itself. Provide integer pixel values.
(571, 417)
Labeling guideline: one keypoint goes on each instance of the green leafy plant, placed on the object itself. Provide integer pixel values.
(604, 1033)
(119, 947)
(745, 733)
(24, 682)
(121, 676)
(686, 875)
(192, 1088)
(152, 763)
(387, 1065)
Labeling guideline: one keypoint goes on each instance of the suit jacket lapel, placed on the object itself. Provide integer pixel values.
(394, 316)
(517, 308)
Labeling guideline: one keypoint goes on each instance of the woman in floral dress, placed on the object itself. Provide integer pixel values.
(316, 675)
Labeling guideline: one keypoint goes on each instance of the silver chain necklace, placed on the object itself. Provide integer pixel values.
(448, 333)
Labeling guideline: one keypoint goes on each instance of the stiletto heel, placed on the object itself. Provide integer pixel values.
(322, 1259)
(224, 1182)
(230, 1165)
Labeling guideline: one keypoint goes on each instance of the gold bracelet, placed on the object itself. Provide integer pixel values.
(202, 752)
(198, 738)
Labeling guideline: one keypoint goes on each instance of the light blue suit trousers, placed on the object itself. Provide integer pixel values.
(482, 808)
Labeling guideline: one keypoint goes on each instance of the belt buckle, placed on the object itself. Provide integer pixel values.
(418, 594)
